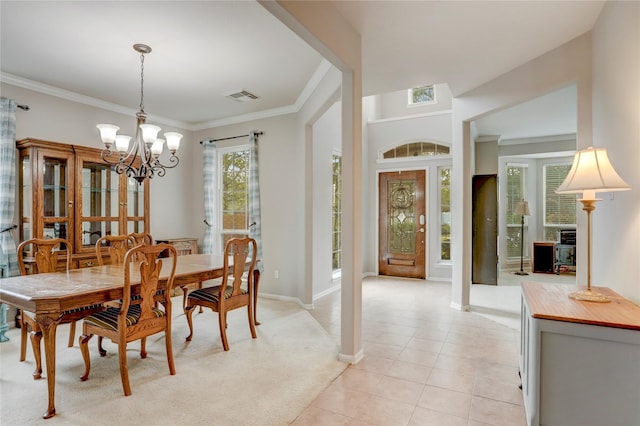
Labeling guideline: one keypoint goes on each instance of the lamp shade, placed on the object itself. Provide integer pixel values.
(592, 172)
(522, 208)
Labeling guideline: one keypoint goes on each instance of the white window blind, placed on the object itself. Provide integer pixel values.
(559, 209)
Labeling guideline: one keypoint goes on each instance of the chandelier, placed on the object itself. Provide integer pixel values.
(141, 160)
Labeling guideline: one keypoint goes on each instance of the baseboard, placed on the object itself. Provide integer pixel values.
(459, 307)
(351, 359)
(326, 292)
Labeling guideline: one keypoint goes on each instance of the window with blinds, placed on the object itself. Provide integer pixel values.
(516, 191)
(233, 169)
(559, 209)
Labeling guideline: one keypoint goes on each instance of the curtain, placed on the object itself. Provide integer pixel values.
(255, 226)
(211, 232)
(8, 256)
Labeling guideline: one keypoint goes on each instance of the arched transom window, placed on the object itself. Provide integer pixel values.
(416, 149)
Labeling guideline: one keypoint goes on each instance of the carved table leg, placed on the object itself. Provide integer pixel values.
(256, 281)
(48, 326)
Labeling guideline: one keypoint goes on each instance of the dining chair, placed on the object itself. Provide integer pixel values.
(44, 256)
(141, 238)
(230, 294)
(144, 310)
(116, 247)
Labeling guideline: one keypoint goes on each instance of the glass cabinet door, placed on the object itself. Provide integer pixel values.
(135, 211)
(56, 201)
(99, 202)
(26, 196)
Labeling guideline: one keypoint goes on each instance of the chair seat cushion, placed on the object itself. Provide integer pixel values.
(210, 294)
(108, 318)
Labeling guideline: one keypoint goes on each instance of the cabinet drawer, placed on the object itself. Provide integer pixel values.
(87, 263)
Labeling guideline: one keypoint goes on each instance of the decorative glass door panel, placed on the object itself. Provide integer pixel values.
(402, 224)
(26, 198)
(135, 226)
(55, 204)
(93, 230)
(100, 202)
(136, 206)
(135, 198)
(401, 216)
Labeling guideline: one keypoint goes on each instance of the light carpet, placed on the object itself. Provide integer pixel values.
(263, 381)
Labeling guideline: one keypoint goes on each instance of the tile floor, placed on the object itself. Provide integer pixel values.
(425, 363)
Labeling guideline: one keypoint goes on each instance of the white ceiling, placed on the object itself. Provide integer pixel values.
(203, 50)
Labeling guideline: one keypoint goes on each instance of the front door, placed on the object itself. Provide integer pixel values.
(402, 224)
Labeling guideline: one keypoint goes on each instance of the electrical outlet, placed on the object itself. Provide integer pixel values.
(276, 274)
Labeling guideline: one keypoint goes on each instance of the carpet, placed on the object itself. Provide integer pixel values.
(264, 381)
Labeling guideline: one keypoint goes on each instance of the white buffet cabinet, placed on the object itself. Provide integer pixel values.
(579, 361)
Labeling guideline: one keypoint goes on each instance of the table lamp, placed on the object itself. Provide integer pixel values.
(591, 172)
(522, 209)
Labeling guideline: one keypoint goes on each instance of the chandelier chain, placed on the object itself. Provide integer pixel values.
(142, 82)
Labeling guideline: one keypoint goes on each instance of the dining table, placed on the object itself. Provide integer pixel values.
(66, 295)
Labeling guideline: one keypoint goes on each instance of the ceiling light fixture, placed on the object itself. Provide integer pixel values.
(142, 159)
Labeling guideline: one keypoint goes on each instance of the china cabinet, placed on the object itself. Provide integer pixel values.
(67, 191)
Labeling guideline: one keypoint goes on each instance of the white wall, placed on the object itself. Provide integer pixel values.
(616, 126)
(326, 143)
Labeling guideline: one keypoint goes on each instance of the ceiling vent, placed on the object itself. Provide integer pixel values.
(241, 96)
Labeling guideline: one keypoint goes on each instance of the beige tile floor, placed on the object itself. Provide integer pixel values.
(425, 363)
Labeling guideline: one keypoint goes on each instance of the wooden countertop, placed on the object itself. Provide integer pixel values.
(551, 301)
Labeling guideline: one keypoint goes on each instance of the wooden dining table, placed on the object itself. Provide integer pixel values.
(55, 296)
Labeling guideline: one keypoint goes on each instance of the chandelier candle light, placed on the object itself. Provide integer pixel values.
(142, 159)
(591, 172)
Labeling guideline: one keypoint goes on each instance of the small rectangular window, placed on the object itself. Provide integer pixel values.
(422, 95)
(336, 225)
(445, 213)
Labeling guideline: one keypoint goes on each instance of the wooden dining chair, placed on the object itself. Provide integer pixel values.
(43, 257)
(230, 294)
(144, 311)
(141, 238)
(116, 247)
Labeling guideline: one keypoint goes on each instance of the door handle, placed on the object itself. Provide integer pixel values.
(421, 230)
(422, 220)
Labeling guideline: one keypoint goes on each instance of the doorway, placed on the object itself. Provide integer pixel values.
(485, 230)
(402, 224)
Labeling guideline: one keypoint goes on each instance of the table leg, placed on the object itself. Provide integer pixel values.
(256, 282)
(48, 326)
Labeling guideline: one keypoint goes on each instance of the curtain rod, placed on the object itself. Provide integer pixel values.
(257, 133)
(24, 107)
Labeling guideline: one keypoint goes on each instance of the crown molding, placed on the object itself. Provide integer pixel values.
(320, 72)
